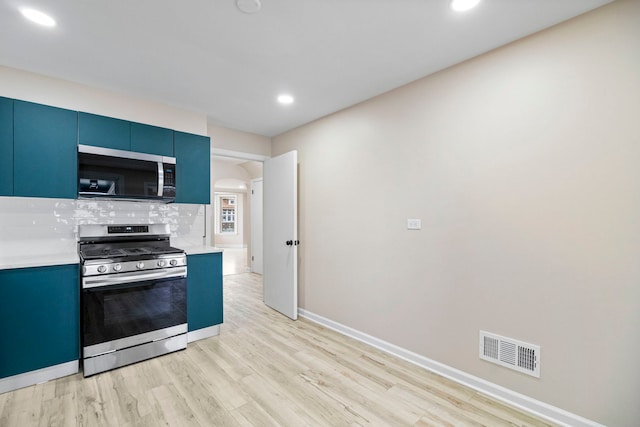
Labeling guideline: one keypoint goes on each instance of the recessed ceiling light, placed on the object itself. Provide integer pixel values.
(248, 6)
(285, 99)
(463, 5)
(38, 17)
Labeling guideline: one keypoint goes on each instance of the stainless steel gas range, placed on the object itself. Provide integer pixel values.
(134, 295)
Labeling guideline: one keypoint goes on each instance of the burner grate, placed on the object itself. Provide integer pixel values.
(161, 250)
(125, 252)
(136, 251)
(102, 253)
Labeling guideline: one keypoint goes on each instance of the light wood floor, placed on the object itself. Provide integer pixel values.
(263, 370)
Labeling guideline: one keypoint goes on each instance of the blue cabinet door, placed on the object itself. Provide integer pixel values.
(45, 154)
(102, 131)
(107, 132)
(39, 318)
(193, 172)
(6, 147)
(204, 290)
(151, 139)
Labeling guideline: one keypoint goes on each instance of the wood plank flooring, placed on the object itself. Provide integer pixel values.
(263, 370)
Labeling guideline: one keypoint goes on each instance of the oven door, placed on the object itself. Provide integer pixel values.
(121, 315)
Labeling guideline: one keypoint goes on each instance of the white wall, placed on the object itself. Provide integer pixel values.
(523, 166)
(229, 170)
(52, 223)
(238, 141)
(254, 169)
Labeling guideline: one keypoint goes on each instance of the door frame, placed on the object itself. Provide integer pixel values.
(256, 223)
(221, 152)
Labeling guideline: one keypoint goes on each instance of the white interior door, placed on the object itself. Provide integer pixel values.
(280, 204)
(256, 226)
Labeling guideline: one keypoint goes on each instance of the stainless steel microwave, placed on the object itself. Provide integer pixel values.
(125, 175)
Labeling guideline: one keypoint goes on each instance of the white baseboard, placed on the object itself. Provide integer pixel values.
(39, 376)
(503, 394)
(203, 333)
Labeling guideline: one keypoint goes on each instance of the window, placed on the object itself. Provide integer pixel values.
(227, 212)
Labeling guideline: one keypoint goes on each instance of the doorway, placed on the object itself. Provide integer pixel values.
(231, 219)
(280, 288)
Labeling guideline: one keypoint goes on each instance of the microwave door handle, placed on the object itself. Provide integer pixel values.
(160, 178)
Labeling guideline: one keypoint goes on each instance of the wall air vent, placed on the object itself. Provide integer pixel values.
(510, 353)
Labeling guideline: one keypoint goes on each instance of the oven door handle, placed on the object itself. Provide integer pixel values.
(117, 279)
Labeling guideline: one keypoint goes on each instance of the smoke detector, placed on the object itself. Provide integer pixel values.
(248, 6)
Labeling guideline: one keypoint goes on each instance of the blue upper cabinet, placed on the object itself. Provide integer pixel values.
(6, 147)
(45, 155)
(193, 174)
(103, 131)
(107, 132)
(151, 139)
(39, 154)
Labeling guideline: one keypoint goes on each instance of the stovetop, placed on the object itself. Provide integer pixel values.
(123, 249)
(111, 252)
(130, 257)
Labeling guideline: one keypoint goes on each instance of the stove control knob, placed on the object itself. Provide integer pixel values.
(102, 269)
(162, 263)
(140, 265)
(174, 262)
(117, 267)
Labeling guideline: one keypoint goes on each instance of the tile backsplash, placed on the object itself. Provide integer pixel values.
(41, 226)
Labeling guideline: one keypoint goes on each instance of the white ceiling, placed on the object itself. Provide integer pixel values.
(207, 56)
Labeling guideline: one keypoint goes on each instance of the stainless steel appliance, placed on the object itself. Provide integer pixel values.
(125, 175)
(134, 295)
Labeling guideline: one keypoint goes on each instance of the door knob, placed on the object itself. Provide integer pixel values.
(289, 242)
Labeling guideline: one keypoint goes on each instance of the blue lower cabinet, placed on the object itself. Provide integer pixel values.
(204, 290)
(39, 318)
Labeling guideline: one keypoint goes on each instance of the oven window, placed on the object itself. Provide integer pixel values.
(114, 312)
(138, 305)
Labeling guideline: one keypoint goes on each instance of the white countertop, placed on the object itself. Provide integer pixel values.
(37, 260)
(200, 249)
(193, 246)
(24, 259)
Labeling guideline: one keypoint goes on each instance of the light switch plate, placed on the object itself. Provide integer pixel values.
(414, 224)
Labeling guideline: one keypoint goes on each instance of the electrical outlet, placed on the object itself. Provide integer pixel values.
(414, 224)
